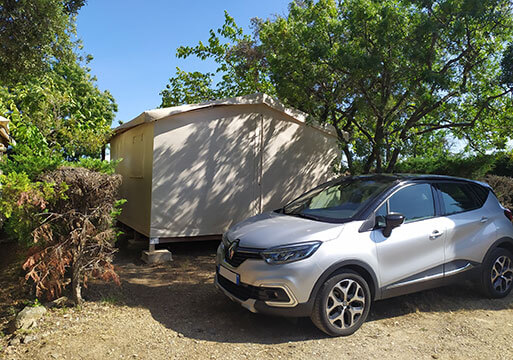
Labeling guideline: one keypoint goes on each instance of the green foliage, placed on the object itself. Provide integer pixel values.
(23, 203)
(34, 303)
(241, 68)
(473, 166)
(32, 33)
(101, 166)
(116, 208)
(503, 165)
(61, 113)
(396, 78)
(395, 74)
(23, 160)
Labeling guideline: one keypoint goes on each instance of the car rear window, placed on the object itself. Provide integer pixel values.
(459, 197)
(481, 193)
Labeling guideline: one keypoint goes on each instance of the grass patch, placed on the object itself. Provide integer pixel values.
(111, 300)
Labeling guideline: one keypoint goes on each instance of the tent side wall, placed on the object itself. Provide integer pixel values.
(135, 148)
(296, 157)
(204, 171)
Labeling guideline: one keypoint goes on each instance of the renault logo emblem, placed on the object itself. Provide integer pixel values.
(232, 249)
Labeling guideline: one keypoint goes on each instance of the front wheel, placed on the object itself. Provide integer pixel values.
(497, 275)
(342, 304)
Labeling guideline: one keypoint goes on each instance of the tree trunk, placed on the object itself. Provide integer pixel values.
(393, 160)
(76, 289)
(349, 158)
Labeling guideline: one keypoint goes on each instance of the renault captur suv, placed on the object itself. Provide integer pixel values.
(332, 251)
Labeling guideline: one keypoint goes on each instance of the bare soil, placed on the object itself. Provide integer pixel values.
(173, 311)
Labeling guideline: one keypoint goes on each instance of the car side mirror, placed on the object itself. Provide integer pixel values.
(392, 221)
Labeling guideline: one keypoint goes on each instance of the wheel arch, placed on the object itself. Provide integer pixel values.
(504, 242)
(360, 267)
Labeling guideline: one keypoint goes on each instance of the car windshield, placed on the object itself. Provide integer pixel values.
(338, 200)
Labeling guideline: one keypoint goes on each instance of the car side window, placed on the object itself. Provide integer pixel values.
(414, 202)
(458, 198)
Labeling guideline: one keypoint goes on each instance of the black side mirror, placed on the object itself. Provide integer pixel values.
(392, 221)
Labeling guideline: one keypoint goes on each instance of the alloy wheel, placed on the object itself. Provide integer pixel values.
(346, 304)
(502, 274)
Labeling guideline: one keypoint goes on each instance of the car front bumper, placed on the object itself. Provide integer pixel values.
(260, 306)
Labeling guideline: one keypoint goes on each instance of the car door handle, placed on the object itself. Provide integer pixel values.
(483, 219)
(435, 234)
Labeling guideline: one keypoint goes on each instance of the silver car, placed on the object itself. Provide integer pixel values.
(332, 251)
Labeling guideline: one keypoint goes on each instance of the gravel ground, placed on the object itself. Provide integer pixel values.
(174, 312)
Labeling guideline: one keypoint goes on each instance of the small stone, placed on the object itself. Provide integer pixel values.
(29, 338)
(15, 340)
(60, 302)
(435, 356)
(28, 316)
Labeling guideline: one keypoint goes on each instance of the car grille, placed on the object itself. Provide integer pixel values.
(241, 255)
(242, 292)
(245, 292)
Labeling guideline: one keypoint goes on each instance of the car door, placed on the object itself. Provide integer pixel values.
(469, 225)
(414, 252)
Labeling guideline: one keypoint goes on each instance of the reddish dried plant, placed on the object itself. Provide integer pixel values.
(75, 240)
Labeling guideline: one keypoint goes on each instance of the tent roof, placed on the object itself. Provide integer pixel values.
(254, 99)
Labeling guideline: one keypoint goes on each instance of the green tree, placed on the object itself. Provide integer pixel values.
(32, 33)
(241, 69)
(400, 77)
(62, 112)
(395, 73)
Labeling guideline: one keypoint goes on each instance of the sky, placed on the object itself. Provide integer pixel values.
(133, 43)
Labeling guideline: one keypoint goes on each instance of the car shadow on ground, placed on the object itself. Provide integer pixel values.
(182, 297)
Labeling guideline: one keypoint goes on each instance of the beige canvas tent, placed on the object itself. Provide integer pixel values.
(194, 170)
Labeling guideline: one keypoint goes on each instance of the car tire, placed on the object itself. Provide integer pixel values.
(342, 304)
(497, 274)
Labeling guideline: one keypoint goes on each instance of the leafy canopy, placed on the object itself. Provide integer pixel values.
(393, 73)
(61, 112)
(32, 33)
(240, 69)
(401, 77)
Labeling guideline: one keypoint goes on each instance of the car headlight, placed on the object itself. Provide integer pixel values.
(290, 253)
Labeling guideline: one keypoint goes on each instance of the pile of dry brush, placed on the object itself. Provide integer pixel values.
(75, 238)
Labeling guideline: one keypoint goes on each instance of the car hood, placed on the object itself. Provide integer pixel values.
(273, 229)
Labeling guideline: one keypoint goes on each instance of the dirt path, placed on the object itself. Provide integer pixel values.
(174, 312)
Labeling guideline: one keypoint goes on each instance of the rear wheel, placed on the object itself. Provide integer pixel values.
(497, 275)
(342, 304)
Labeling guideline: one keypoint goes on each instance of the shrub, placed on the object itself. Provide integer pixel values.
(503, 187)
(503, 165)
(103, 166)
(472, 167)
(76, 239)
(24, 204)
(24, 159)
